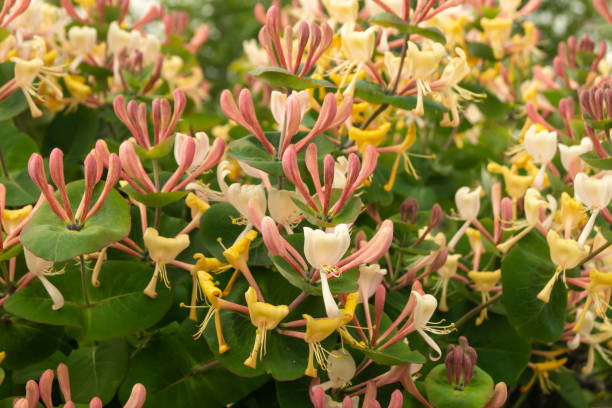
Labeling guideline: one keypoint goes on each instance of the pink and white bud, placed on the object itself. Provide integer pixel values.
(45, 386)
(63, 378)
(32, 393)
(137, 397)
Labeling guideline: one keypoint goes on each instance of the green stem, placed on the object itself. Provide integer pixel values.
(477, 309)
(84, 280)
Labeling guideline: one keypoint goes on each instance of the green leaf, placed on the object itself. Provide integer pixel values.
(397, 354)
(74, 133)
(525, 271)
(11, 252)
(594, 160)
(391, 20)
(217, 223)
(251, 151)
(16, 147)
(48, 237)
(190, 376)
(505, 356)
(120, 294)
(374, 93)
(282, 78)
(480, 50)
(569, 388)
(154, 200)
(97, 370)
(158, 151)
(441, 394)
(20, 190)
(25, 342)
(603, 124)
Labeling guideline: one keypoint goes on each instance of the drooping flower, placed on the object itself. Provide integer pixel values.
(41, 267)
(162, 250)
(595, 194)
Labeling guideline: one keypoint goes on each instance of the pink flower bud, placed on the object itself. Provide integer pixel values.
(137, 397)
(71, 11)
(323, 123)
(602, 8)
(56, 170)
(318, 398)
(21, 403)
(37, 174)
(185, 159)
(292, 172)
(95, 403)
(501, 392)
(507, 212)
(63, 378)
(397, 399)
(152, 13)
(45, 386)
(312, 164)
(409, 210)
(130, 162)
(32, 393)
(347, 402)
(112, 177)
(212, 158)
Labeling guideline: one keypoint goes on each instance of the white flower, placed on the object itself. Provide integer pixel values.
(340, 369)
(370, 276)
(340, 169)
(468, 202)
(325, 249)
(202, 145)
(40, 267)
(150, 47)
(82, 39)
(239, 195)
(423, 63)
(119, 39)
(423, 311)
(282, 208)
(278, 104)
(254, 53)
(540, 144)
(358, 46)
(595, 193)
(395, 5)
(342, 11)
(567, 152)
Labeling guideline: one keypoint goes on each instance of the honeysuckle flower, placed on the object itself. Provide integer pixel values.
(239, 195)
(357, 47)
(323, 250)
(484, 282)
(202, 145)
(571, 214)
(25, 74)
(468, 206)
(424, 308)
(238, 254)
(265, 317)
(342, 11)
(162, 250)
(541, 372)
(118, 41)
(421, 64)
(41, 267)
(283, 209)
(569, 152)
(12, 219)
(446, 272)
(212, 296)
(81, 40)
(497, 31)
(541, 146)
(598, 290)
(516, 183)
(370, 276)
(318, 330)
(532, 203)
(278, 105)
(595, 194)
(565, 254)
(369, 137)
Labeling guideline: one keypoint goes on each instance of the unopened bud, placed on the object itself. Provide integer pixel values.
(436, 216)
(360, 239)
(507, 212)
(460, 362)
(408, 210)
(439, 260)
(586, 44)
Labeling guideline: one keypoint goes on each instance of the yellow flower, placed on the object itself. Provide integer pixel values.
(540, 371)
(572, 214)
(516, 184)
(12, 218)
(599, 293)
(162, 250)
(566, 254)
(212, 295)
(369, 137)
(318, 330)
(197, 205)
(484, 282)
(497, 31)
(77, 87)
(265, 317)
